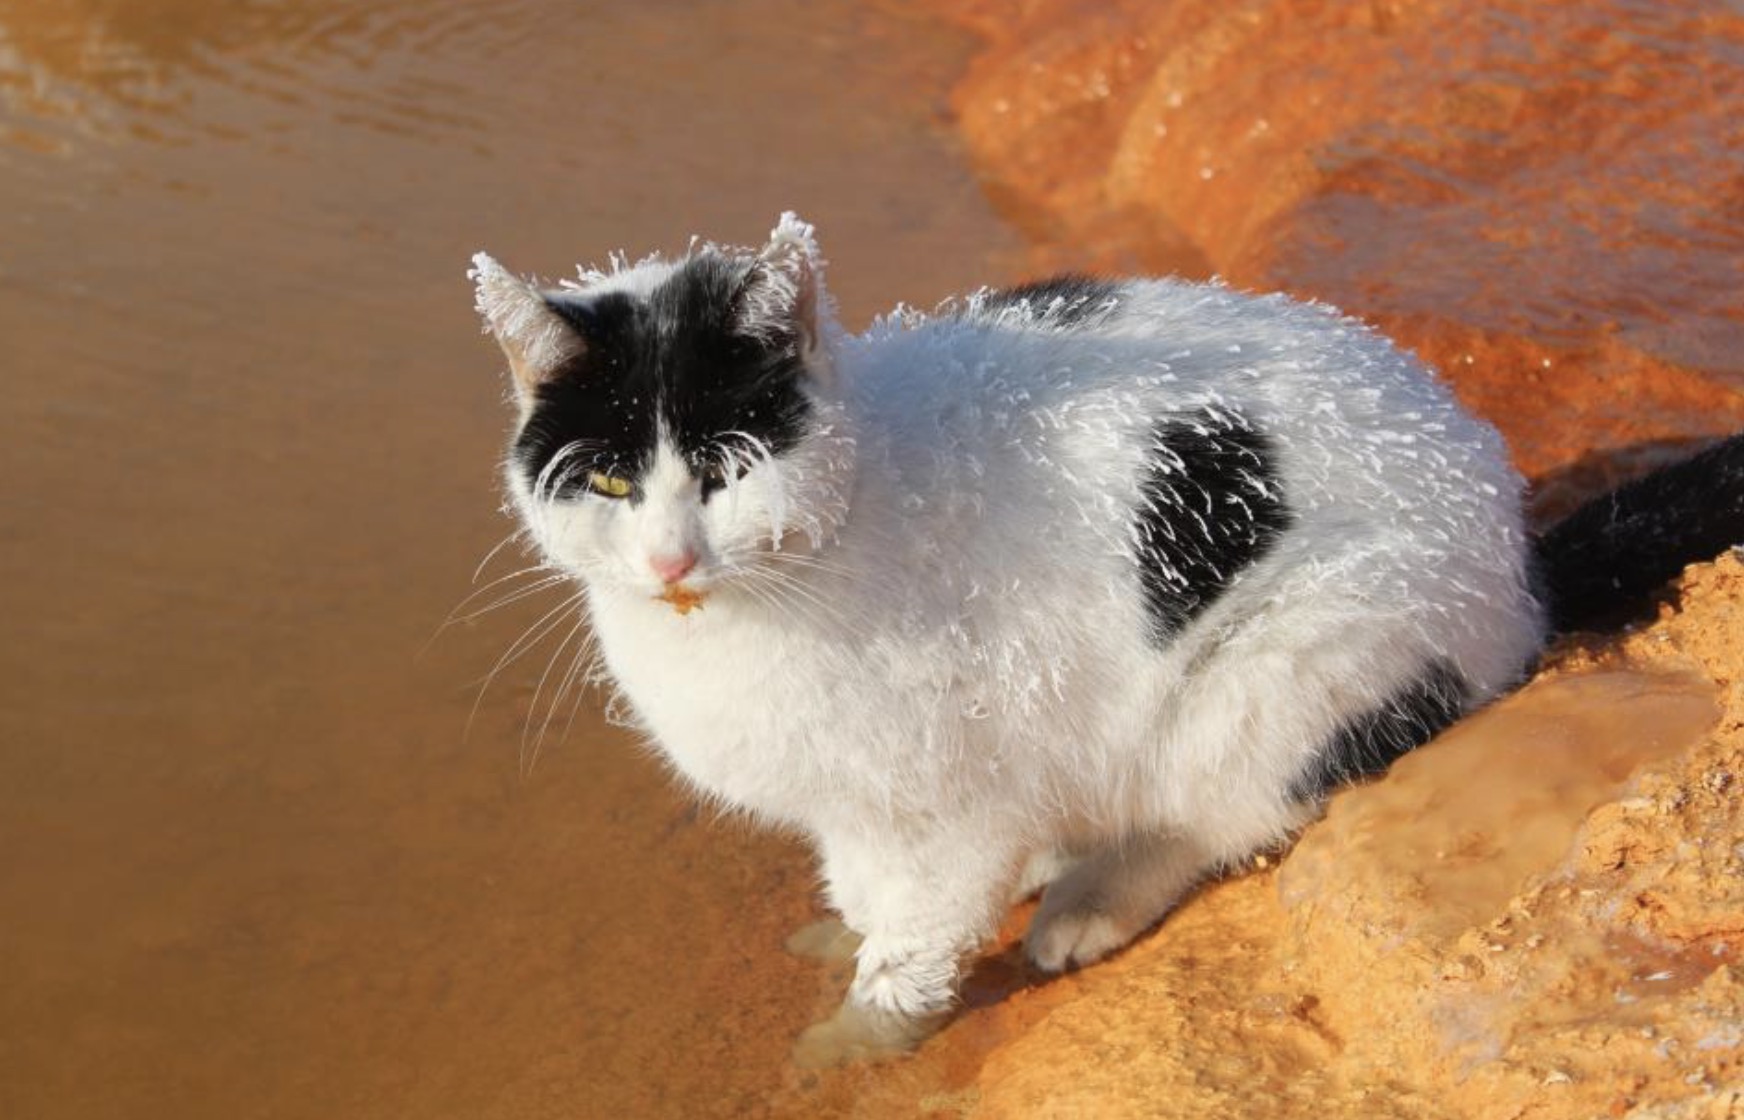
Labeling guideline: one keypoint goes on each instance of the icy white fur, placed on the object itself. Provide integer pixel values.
(924, 646)
(533, 338)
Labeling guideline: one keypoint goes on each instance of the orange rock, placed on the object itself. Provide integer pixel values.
(1542, 199)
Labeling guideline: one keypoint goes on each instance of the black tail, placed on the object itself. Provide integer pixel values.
(1619, 547)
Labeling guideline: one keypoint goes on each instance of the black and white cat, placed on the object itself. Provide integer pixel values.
(1092, 584)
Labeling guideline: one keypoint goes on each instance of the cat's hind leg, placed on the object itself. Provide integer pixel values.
(1123, 889)
(1043, 867)
(1109, 898)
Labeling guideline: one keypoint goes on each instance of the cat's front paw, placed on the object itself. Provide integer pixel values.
(1074, 927)
(856, 1033)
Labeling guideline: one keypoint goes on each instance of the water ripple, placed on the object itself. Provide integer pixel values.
(110, 71)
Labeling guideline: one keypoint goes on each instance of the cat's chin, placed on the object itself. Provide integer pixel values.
(682, 598)
(692, 594)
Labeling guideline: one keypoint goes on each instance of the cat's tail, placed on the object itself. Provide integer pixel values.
(1620, 546)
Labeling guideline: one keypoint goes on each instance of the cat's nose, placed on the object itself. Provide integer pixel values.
(673, 567)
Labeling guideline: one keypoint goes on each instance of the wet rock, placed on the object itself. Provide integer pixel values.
(1546, 201)
(1540, 912)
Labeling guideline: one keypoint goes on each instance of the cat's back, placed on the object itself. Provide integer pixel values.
(1067, 390)
(1181, 440)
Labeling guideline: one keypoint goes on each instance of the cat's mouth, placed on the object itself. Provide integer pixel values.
(682, 599)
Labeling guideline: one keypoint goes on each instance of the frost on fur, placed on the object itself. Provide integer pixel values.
(785, 290)
(535, 340)
(936, 558)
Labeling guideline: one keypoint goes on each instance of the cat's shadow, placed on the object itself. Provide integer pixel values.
(997, 976)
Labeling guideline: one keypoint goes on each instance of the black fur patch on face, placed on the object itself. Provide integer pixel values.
(1212, 505)
(1371, 742)
(679, 358)
(1061, 301)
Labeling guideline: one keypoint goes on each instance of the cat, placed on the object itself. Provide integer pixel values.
(1084, 585)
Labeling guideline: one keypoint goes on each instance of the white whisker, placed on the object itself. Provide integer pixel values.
(529, 638)
(527, 734)
(515, 596)
(518, 534)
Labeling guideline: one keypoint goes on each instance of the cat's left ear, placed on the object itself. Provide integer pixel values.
(785, 290)
(536, 340)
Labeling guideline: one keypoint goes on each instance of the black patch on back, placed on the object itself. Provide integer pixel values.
(679, 356)
(1062, 301)
(1371, 742)
(1212, 504)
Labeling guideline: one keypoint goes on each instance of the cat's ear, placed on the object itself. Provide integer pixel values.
(785, 289)
(537, 340)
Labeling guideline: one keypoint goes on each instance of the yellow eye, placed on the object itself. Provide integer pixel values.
(608, 485)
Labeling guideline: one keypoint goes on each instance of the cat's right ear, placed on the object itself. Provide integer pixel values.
(785, 289)
(535, 338)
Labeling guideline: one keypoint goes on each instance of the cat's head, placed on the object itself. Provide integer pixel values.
(679, 424)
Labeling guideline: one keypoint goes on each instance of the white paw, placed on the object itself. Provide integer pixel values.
(856, 1033)
(1073, 938)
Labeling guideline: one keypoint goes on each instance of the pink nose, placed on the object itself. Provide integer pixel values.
(673, 568)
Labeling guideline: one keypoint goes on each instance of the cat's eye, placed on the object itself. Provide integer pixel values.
(608, 485)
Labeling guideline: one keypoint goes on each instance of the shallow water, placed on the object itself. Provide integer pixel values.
(256, 867)
(1460, 827)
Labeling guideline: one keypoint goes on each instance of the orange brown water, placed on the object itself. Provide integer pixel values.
(1458, 827)
(252, 865)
